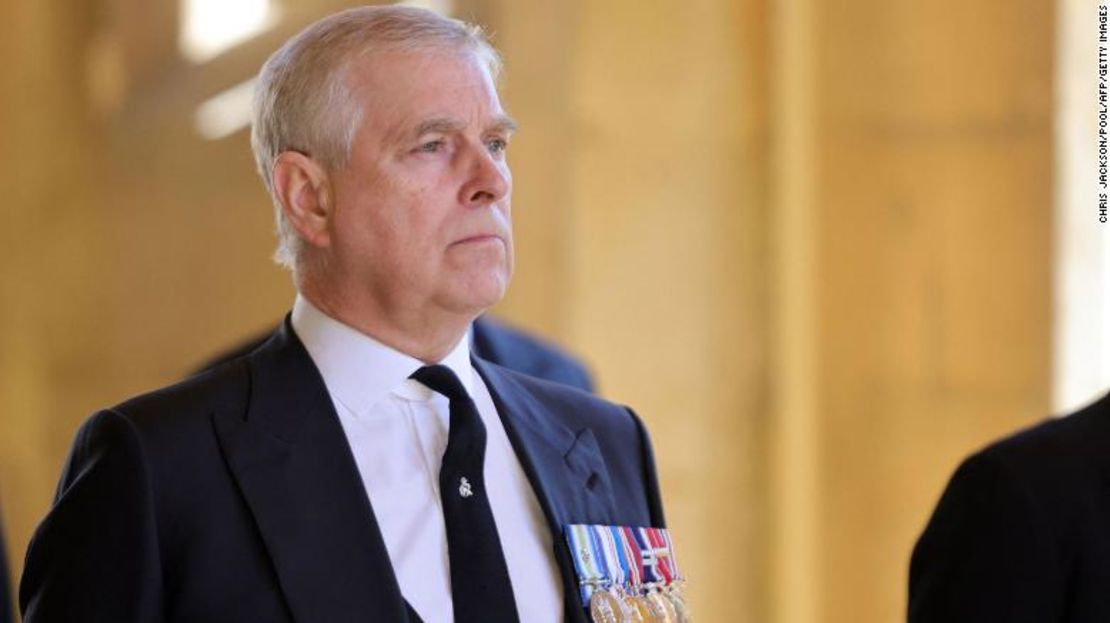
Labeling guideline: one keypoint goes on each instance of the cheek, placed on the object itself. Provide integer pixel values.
(398, 214)
(402, 218)
(413, 233)
(417, 220)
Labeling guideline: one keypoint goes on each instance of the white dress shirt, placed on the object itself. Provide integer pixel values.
(397, 430)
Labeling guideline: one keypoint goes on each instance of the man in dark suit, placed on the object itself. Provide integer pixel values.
(1022, 533)
(360, 465)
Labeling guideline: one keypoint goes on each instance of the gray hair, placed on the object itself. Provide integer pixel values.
(302, 101)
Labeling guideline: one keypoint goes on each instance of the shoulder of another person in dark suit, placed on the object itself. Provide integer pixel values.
(527, 353)
(1053, 468)
(1058, 455)
(1014, 522)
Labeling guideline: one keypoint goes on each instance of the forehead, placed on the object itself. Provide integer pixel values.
(408, 87)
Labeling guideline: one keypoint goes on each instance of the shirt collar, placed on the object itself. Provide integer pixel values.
(360, 371)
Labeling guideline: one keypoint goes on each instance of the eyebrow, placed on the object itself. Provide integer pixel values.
(503, 123)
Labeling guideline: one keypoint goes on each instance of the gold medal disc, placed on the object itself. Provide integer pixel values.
(606, 607)
(635, 615)
(682, 611)
(643, 609)
(663, 607)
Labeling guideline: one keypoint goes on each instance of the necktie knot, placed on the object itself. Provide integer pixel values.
(442, 380)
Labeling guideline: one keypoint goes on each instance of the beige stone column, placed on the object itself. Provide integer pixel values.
(925, 292)
(641, 214)
(48, 257)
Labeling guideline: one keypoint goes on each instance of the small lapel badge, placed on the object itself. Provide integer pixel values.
(628, 574)
(464, 487)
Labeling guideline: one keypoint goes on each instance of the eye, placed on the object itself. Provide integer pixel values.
(430, 147)
(497, 145)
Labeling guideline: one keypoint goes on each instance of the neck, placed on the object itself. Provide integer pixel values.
(425, 335)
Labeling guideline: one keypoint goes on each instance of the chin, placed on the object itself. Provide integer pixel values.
(477, 294)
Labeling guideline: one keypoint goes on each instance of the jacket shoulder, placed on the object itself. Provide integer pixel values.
(621, 437)
(1014, 520)
(1044, 474)
(580, 408)
(1055, 452)
(222, 388)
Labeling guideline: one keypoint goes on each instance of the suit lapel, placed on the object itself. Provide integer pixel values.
(564, 467)
(292, 462)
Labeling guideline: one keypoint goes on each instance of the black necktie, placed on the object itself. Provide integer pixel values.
(480, 588)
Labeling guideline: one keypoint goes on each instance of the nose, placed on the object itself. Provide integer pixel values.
(489, 179)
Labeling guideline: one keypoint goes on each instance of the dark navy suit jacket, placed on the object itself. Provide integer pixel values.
(233, 496)
(1022, 533)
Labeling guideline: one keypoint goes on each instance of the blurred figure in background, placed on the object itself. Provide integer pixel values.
(1022, 533)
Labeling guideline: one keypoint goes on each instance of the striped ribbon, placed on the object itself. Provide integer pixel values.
(586, 561)
(621, 556)
(674, 556)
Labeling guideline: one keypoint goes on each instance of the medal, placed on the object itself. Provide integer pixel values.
(627, 574)
(664, 554)
(590, 575)
(669, 568)
(638, 604)
(605, 607)
(662, 607)
(653, 576)
(616, 568)
(600, 572)
(635, 611)
(642, 609)
(630, 564)
(682, 611)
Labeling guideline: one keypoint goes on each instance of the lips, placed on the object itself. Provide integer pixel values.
(479, 238)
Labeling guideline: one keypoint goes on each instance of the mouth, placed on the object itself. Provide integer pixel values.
(479, 239)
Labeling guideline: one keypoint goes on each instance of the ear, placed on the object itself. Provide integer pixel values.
(304, 189)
